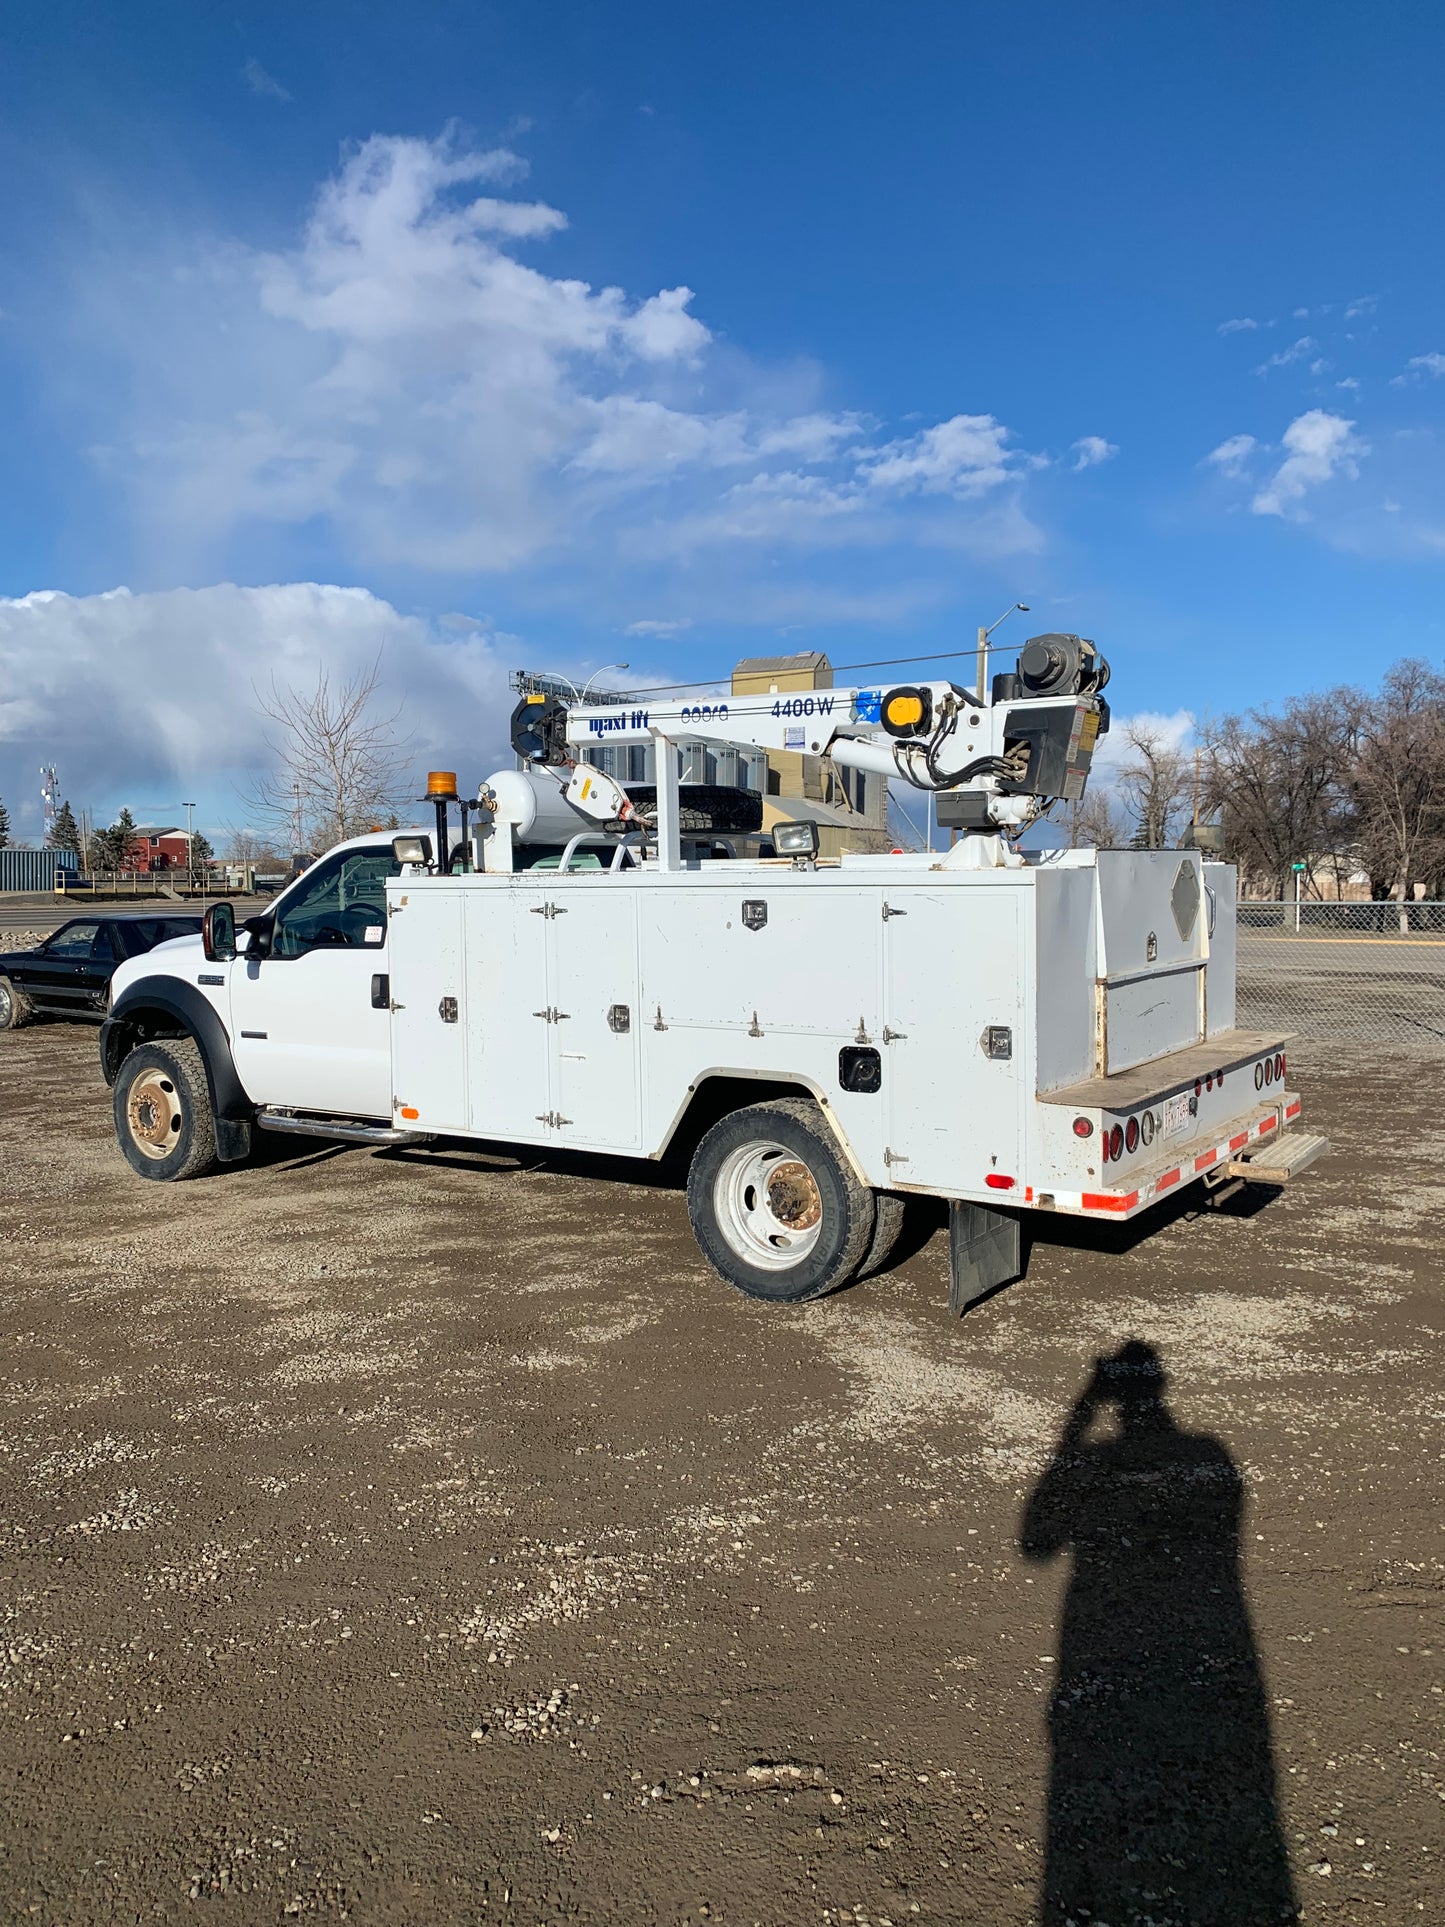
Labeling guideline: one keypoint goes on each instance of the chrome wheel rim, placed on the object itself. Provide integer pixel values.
(768, 1206)
(6, 1005)
(153, 1114)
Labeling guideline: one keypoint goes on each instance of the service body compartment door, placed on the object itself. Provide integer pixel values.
(428, 995)
(509, 1037)
(592, 973)
(954, 971)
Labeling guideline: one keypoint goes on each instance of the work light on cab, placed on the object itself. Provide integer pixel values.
(908, 711)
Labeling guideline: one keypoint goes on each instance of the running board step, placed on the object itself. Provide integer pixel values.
(1279, 1161)
(347, 1130)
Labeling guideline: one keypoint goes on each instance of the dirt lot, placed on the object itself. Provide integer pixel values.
(419, 1540)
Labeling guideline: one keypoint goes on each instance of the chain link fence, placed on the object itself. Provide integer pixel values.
(1369, 973)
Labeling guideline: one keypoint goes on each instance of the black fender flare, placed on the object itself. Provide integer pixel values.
(183, 1004)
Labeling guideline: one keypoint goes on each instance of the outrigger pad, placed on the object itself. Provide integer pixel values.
(983, 1253)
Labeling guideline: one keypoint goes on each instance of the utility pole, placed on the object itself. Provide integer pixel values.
(190, 848)
(983, 636)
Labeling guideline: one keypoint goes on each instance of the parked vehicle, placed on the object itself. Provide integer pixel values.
(69, 974)
(1013, 1033)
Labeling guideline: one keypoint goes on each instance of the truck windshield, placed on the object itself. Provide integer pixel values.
(341, 902)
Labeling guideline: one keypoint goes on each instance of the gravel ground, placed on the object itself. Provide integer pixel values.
(430, 1539)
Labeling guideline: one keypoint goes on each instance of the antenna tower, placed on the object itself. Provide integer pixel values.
(49, 795)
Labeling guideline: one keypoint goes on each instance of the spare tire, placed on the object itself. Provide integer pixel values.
(716, 808)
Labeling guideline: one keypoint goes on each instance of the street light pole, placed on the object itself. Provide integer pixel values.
(190, 847)
(983, 636)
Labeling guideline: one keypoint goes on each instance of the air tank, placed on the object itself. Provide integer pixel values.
(532, 802)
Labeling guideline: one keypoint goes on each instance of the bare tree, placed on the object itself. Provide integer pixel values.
(248, 846)
(1156, 783)
(1097, 822)
(1396, 781)
(339, 763)
(1279, 783)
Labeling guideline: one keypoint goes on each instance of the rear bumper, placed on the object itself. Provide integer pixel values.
(1231, 1150)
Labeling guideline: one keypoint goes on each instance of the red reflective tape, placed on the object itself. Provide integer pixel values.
(1028, 1192)
(1269, 1124)
(1169, 1177)
(1203, 1163)
(1110, 1200)
(1237, 1143)
(1292, 1110)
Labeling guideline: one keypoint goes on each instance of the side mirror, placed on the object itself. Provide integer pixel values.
(218, 933)
(259, 930)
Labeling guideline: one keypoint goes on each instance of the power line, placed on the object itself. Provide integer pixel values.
(888, 662)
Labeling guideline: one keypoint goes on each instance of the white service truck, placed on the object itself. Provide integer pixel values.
(578, 964)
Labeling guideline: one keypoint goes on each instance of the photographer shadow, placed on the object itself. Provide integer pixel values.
(1162, 1803)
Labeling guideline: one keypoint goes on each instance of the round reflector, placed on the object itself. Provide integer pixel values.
(1131, 1134)
(1083, 1127)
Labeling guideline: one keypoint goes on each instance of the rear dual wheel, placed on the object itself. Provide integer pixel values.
(776, 1209)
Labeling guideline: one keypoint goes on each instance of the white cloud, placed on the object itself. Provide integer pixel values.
(139, 698)
(1417, 367)
(1241, 325)
(260, 82)
(653, 627)
(1306, 345)
(964, 456)
(1090, 450)
(409, 388)
(1231, 456)
(1319, 446)
(1349, 382)
(1364, 304)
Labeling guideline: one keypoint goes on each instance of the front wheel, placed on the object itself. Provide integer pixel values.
(14, 1008)
(775, 1208)
(163, 1117)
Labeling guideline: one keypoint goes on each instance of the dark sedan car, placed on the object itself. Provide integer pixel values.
(69, 975)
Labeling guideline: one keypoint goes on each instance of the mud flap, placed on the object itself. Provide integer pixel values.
(983, 1253)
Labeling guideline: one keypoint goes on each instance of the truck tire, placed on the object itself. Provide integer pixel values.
(163, 1117)
(887, 1230)
(775, 1209)
(14, 1006)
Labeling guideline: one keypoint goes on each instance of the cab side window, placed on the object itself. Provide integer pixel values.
(341, 904)
(78, 943)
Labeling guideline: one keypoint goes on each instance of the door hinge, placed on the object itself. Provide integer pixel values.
(657, 1023)
(551, 1015)
(889, 911)
(548, 910)
(554, 1120)
(891, 1158)
(891, 1036)
(755, 1029)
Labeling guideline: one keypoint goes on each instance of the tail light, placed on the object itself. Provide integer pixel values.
(996, 1181)
(1083, 1127)
(1269, 1070)
(1131, 1134)
(1279, 1066)
(1116, 1142)
(1199, 1087)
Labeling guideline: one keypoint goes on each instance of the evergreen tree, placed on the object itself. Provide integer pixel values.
(4, 824)
(65, 831)
(113, 846)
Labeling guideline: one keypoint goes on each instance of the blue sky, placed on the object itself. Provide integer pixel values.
(569, 333)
